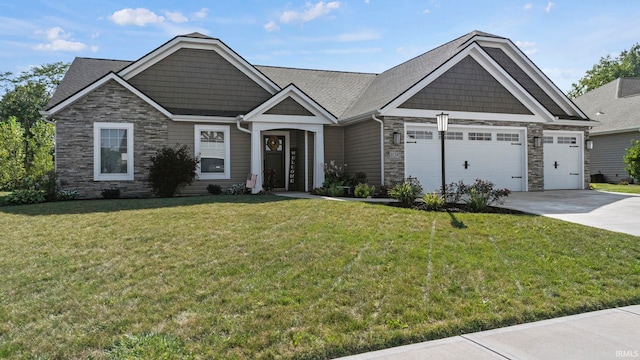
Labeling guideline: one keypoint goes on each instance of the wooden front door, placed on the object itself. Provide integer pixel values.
(274, 158)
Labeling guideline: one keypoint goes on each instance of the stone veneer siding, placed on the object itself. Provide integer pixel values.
(394, 168)
(74, 139)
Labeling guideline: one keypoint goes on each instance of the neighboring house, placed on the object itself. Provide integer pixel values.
(112, 116)
(616, 106)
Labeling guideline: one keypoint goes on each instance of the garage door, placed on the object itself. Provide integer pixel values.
(563, 160)
(488, 153)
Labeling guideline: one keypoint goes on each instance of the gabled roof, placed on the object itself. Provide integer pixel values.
(616, 105)
(319, 114)
(334, 90)
(395, 81)
(350, 95)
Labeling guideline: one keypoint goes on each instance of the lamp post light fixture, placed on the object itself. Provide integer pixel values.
(443, 123)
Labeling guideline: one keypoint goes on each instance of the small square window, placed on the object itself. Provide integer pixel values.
(112, 151)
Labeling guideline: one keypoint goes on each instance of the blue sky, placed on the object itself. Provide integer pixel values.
(564, 38)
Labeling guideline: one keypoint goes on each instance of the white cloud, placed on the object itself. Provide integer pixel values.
(527, 47)
(366, 1)
(176, 17)
(139, 17)
(426, 11)
(57, 41)
(94, 48)
(311, 12)
(271, 26)
(549, 6)
(528, 6)
(201, 14)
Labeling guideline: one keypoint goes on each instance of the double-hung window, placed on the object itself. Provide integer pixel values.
(212, 146)
(112, 151)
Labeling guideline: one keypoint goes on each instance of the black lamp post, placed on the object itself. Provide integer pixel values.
(443, 123)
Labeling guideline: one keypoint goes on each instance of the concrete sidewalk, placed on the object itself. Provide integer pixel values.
(605, 334)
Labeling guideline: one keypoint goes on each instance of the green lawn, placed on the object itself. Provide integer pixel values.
(631, 189)
(262, 277)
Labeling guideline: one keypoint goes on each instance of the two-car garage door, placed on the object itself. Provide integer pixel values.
(488, 153)
(496, 154)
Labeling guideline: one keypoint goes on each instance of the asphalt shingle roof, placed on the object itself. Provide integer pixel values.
(616, 105)
(333, 90)
(81, 73)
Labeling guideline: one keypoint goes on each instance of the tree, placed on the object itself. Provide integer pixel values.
(27, 93)
(632, 159)
(12, 154)
(40, 155)
(627, 64)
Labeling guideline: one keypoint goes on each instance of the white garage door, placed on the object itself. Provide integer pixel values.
(487, 153)
(563, 160)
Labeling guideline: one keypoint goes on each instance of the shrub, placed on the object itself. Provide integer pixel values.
(66, 195)
(433, 201)
(26, 196)
(236, 189)
(172, 168)
(319, 191)
(407, 192)
(632, 159)
(336, 175)
(111, 193)
(335, 190)
(363, 190)
(477, 196)
(214, 189)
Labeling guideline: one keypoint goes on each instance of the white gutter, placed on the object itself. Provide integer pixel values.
(374, 118)
(238, 119)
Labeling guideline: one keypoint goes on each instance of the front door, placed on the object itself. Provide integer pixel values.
(274, 160)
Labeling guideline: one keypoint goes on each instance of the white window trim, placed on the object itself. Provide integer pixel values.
(227, 150)
(97, 174)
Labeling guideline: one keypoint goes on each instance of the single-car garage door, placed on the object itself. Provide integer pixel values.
(563, 160)
(495, 154)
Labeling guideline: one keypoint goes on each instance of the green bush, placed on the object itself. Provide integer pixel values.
(433, 201)
(407, 192)
(172, 168)
(363, 191)
(214, 189)
(66, 195)
(237, 189)
(110, 193)
(27, 196)
(477, 196)
(632, 159)
(335, 190)
(319, 191)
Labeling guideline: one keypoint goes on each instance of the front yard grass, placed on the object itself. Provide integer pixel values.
(629, 189)
(244, 277)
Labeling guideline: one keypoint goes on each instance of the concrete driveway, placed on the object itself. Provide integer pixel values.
(610, 211)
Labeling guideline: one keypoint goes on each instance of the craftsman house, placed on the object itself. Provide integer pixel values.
(508, 123)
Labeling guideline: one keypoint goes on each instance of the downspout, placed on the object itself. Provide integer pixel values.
(238, 119)
(374, 118)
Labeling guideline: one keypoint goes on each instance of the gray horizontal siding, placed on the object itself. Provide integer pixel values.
(607, 155)
(200, 82)
(467, 86)
(183, 133)
(362, 150)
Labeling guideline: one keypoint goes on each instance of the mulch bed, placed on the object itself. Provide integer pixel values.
(462, 208)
